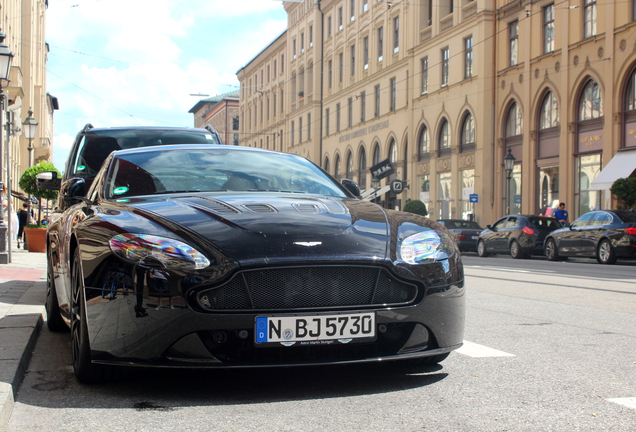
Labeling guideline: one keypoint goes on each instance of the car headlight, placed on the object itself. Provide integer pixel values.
(147, 249)
(426, 246)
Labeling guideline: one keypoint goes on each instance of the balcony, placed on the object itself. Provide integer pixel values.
(446, 22)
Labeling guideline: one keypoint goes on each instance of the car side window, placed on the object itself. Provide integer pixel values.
(512, 222)
(582, 221)
(500, 224)
(602, 218)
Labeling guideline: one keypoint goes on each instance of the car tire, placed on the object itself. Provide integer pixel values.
(515, 250)
(85, 370)
(54, 319)
(551, 252)
(605, 252)
(481, 249)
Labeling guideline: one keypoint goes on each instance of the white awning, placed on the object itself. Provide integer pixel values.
(370, 194)
(622, 165)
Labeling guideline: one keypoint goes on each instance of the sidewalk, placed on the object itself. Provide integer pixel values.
(22, 296)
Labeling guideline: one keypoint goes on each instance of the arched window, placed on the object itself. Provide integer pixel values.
(514, 122)
(362, 166)
(444, 139)
(591, 106)
(629, 121)
(630, 101)
(549, 116)
(326, 166)
(349, 172)
(423, 149)
(336, 167)
(468, 134)
(393, 157)
(376, 154)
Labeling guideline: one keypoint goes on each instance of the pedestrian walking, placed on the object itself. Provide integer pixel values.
(23, 221)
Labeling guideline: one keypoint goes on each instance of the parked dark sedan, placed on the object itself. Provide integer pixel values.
(465, 232)
(221, 256)
(605, 235)
(518, 235)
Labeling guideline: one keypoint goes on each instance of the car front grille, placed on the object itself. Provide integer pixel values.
(308, 288)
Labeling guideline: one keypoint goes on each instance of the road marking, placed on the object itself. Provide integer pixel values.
(475, 350)
(628, 402)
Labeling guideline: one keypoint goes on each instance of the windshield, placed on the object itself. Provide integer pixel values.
(95, 147)
(166, 171)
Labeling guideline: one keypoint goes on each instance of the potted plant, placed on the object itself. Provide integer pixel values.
(417, 207)
(36, 233)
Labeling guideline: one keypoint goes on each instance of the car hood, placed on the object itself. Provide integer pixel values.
(261, 227)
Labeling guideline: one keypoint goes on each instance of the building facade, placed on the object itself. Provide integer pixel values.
(445, 90)
(222, 113)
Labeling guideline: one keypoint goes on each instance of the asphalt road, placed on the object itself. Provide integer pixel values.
(549, 347)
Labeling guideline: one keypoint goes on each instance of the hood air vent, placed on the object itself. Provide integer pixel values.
(260, 208)
(306, 208)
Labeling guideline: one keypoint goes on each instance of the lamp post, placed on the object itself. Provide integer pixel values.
(6, 57)
(509, 164)
(30, 129)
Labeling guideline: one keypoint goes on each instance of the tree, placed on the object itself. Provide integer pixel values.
(625, 191)
(417, 207)
(28, 182)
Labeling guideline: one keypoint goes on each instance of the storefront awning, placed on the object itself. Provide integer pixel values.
(622, 165)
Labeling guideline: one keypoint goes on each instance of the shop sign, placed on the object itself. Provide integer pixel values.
(590, 141)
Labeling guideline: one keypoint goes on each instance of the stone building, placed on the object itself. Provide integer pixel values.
(222, 113)
(444, 90)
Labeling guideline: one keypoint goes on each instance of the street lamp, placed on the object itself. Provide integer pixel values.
(6, 57)
(509, 164)
(30, 129)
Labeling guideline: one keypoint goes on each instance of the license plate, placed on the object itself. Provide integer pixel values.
(315, 329)
(474, 237)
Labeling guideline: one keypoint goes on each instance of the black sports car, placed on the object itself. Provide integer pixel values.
(219, 256)
(465, 233)
(605, 235)
(517, 235)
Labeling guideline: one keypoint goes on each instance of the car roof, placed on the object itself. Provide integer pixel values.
(182, 147)
(146, 128)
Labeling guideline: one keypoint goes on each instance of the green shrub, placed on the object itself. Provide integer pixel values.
(28, 182)
(624, 189)
(417, 207)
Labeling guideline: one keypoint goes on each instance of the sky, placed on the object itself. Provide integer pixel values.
(137, 62)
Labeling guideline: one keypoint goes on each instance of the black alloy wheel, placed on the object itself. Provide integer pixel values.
(481, 249)
(552, 252)
(54, 319)
(85, 370)
(605, 252)
(515, 250)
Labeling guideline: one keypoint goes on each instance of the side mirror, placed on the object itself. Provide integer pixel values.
(489, 227)
(567, 224)
(74, 190)
(352, 187)
(48, 180)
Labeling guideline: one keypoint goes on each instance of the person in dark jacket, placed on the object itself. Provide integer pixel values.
(23, 221)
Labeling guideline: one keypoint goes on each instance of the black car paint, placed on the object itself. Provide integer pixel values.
(498, 237)
(583, 237)
(124, 330)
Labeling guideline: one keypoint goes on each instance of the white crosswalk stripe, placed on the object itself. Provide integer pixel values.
(629, 402)
(472, 349)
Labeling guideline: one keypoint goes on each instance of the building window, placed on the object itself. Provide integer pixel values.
(514, 122)
(548, 29)
(365, 43)
(362, 169)
(352, 7)
(445, 65)
(274, 68)
(327, 121)
(326, 167)
(282, 101)
(363, 106)
(376, 154)
(392, 151)
(235, 123)
(308, 126)
(514, 42)
(444, 196)
(376, 110)
(349, 168)
(329, 73)
(549, 116)
(591, 106)
(425, 75)
(311, 36)
(365, 5)
(444, 137)
(350, 112)
(396, 34)
(589, 27)
(292, 133)
(282, 63)
(329, 26)
(630, 100)
(380, 43)
(337, 173)
(468, 57)
(468, 134)
(274, 104)
(300, 130)
(294, 49)
(393, 85)
(340, 19)
(353, 60)
(340, 67)
(302, 43)
(423, 148)
(337, 117)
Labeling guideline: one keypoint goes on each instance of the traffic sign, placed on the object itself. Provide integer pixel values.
(473, 198)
